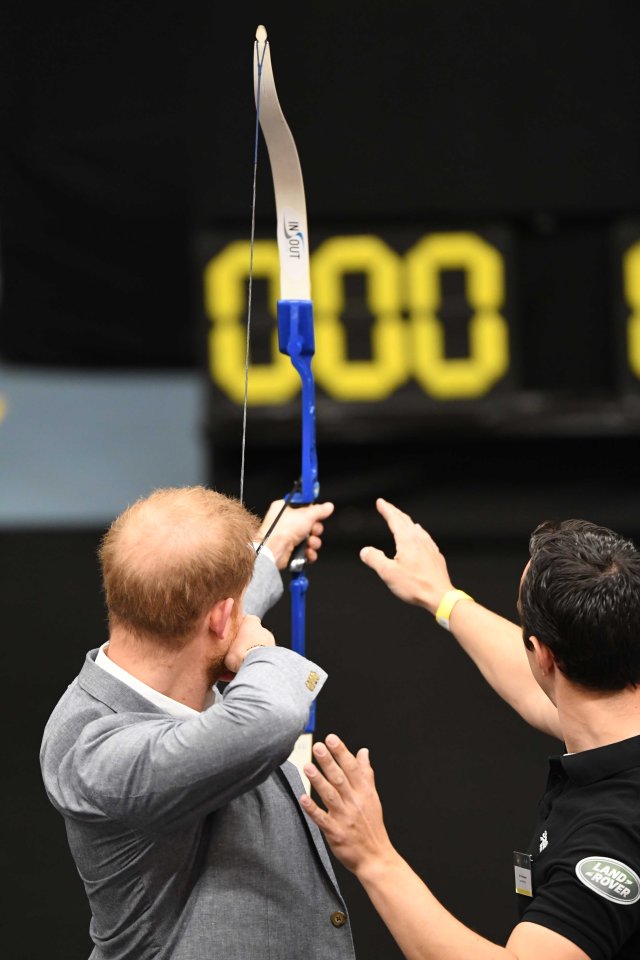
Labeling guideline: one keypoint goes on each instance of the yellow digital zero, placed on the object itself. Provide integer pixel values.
(225, 276)
(400, 350)
(631, 275)
(488, 360)
(390, 364)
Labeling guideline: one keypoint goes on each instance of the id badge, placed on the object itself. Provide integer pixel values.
(522, 871)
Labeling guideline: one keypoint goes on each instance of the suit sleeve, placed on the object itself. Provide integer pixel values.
(265, 588)
(152, 773)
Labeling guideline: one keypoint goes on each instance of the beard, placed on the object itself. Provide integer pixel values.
(216, 669)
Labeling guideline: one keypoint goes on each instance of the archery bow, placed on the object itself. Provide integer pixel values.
(295, 313)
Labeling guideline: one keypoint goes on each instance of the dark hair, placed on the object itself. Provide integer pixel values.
(581, 597)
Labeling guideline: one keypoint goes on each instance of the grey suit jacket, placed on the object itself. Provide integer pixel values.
(188, 834)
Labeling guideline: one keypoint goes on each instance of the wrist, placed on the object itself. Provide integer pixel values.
(447, 604)
(253, 647)
(281, 550)
(377, 868)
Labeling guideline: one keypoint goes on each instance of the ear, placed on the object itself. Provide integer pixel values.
(219, 616)
(544, 658)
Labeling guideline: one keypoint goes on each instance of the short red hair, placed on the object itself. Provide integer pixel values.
(169, 558)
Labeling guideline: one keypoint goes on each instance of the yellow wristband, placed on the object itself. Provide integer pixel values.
(447, 604)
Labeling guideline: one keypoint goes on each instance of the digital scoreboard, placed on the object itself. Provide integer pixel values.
(414, 330)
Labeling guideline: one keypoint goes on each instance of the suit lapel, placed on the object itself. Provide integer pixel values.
(292, 778)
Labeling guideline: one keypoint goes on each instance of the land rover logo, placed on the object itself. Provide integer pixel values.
(611, 879)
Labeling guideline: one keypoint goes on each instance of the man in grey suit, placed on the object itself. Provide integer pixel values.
(181, 811)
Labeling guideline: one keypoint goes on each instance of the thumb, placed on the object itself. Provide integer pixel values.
(375, 559)
(323, 510)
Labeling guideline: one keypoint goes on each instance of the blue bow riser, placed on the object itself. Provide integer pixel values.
(297, 341)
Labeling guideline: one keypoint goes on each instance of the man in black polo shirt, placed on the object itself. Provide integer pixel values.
(576, 677)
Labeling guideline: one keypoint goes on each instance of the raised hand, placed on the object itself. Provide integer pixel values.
(418, 572)
(295, 525)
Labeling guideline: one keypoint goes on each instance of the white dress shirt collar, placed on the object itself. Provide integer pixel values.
(166, 704)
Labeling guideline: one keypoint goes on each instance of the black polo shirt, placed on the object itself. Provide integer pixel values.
(586, 852)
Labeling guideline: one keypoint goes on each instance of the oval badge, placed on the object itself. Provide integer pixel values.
(610, 878)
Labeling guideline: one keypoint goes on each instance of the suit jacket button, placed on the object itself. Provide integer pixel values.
(338, 919)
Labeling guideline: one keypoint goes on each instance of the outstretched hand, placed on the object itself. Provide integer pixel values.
(352, 821)
(418, 571)
(294, 526)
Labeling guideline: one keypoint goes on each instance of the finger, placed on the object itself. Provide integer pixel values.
(426, 536)
(320, 511)
(317, 529)
(397, 521)
(330, 768)
(346, 762)
(378, 561)
(317, 814)
(364, 762)
(327, 792)
(314, 542)
(311, 555)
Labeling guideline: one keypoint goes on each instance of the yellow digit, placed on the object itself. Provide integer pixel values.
(347, 379)
(488, 360)
(631, 266)
(225, 279)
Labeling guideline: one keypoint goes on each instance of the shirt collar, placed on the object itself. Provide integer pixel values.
(166, 704)
(588, 766)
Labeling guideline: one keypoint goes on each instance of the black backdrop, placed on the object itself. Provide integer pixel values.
(126, 128)
(128, 125)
